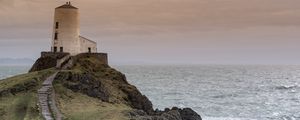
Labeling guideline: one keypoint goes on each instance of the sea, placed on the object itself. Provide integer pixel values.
(216, 92)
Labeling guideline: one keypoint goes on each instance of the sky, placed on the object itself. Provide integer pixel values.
(163, 31)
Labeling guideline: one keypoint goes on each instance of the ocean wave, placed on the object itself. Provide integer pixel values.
(287, 87)
(285, 117)
(224, 96)
(226, 118)
(289, 118)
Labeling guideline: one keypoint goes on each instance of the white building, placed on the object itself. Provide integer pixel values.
(66, 32)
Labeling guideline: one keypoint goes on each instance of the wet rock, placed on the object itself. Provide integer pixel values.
(189, 114)
(168, 114)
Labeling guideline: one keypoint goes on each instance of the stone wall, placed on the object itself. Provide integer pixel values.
(49, 59)
(100, 56)
(57, 55)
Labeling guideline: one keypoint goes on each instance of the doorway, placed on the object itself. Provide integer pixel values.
(90, 50)
(54, 49)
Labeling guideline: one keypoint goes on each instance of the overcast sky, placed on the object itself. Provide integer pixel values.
(163, 31)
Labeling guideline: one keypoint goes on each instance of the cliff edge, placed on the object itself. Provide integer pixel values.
(89, 89)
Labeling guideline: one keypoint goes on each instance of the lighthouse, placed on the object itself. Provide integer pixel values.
(66, 32)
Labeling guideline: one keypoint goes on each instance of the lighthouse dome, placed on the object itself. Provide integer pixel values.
(67, 5)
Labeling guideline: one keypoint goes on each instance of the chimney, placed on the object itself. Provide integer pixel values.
(68, 3)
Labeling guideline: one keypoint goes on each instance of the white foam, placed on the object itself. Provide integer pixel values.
(225, 118)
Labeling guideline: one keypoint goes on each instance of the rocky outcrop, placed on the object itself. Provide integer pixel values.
(105, 89)
(97, 79)
(168, 114)
(47, 60)
(164, 115)
(83, 83)
(189, 114)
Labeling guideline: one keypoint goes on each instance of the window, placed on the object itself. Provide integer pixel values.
(55, 36)
(61, 49)
(54, 49)
(56, 25)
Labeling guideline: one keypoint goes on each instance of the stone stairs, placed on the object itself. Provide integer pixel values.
(46, 94)
(60, 62)
(45, 98)
(68, 64)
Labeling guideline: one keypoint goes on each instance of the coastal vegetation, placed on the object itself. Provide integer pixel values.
(18, 96)
(88, 90)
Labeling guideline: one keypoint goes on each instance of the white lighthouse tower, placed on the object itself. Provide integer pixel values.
(66, 32)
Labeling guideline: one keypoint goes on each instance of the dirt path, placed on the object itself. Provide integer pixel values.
(46, 96)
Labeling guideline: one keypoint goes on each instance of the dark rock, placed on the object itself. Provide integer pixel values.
(167, 109)
(96, 79)
(137, 100)
(83, 83)
(43, 63)
(170, 115)
(47, 60)
(189, 114)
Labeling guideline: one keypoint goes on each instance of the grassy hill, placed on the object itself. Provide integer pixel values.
(18, 96)
(89, 90)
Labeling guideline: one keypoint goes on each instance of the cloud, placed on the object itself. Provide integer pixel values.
(6, 4)
(207, 27)
(156, 16)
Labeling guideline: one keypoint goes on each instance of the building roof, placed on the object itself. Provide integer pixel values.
(87, 39)
(67, 5)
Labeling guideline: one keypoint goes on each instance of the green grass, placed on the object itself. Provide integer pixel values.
(19, 107)
(18, 98)
(77, 106)
(25, 82)
(18, 95)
